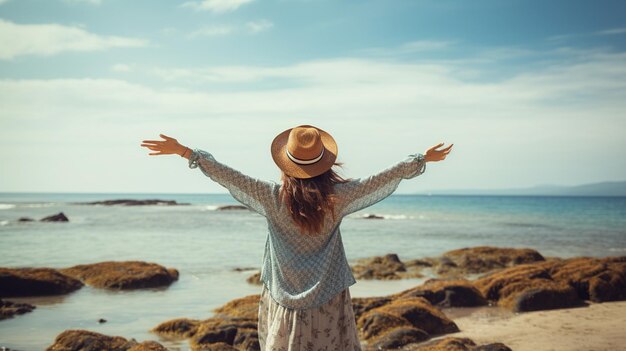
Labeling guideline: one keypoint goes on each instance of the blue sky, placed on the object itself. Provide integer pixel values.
(530, 92)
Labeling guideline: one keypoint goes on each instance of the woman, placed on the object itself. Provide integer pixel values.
(305, 302)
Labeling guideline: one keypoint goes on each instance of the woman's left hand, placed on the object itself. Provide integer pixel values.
(167, 147)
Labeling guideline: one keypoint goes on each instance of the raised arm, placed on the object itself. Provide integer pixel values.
(254, 193)
(361, 193)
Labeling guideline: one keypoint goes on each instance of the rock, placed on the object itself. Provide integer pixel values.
(457, 344)
(234, 327)
(378, 323)
(102, 320)
(415, 318)
(483, 259)
(247, 339)
(399, 337)
(388, 267)
(527, 287)
(446, 293)
(360, 305)
(218, 346)
(148, 346)
(595, 279)
(9, 309)
(255, 279)
(231, 331)
(231, 207)
(25, 219)
(85, 340)
(243, 307)
(419, 262)
(59, 217)
(35, 282)
(243, 269)
(372, 216)
(180, 327)
(132, 202)
(122, 274)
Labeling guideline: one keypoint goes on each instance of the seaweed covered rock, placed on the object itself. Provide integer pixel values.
(9, 309)
(388, 267)
(403, 321)
(446, 293)
(457, 344)
(482, 259)
(527, 288)
(255, 279)
(243, 307)
(85, 340)
(595, 279)
(122, 275)
(17, 282)
(179, 327)
(234, 327)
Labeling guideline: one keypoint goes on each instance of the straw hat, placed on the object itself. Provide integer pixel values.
(304, 151)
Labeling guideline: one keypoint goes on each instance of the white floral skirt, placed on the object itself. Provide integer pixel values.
(330, 327)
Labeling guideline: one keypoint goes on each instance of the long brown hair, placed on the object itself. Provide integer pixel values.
(309, 200)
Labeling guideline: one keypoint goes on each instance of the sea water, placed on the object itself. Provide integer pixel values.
(206, 245)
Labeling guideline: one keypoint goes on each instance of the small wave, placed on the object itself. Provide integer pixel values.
(618, 249)
(5, 222)
(37, 205)
(211, 207)
(397, 216)
(6, 206)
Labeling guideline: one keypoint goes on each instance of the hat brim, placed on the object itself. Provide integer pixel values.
(279, 154)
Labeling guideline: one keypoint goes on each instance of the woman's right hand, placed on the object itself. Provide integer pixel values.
(433, 154)
(167, 147)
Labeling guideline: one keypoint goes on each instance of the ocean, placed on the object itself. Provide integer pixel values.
(206, 245)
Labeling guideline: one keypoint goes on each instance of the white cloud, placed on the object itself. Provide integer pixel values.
(211, 31)
(563, 122)
(50, 39)
(408, 48)
(259, 26)
(121, 68)
(612, 31)
(216, 6)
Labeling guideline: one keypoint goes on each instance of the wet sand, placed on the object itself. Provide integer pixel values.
(597, 327)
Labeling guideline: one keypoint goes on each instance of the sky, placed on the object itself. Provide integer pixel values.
(529, 92)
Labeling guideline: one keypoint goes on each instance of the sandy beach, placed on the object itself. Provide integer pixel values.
(597, 327)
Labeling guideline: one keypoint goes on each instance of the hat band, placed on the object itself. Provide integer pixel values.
(304, 162)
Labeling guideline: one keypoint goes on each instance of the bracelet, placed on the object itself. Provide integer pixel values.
(183, 155)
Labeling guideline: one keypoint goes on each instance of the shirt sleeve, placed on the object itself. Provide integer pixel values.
(256, 194)
(361, 193)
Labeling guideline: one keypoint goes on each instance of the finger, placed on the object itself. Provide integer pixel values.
(166, 137)
(436, 146)
(150, 145)
(448, 148)
(155, 153)
(154, 141)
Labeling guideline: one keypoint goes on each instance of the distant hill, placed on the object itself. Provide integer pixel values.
(591, 189)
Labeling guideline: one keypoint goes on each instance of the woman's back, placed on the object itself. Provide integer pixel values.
(303, 271)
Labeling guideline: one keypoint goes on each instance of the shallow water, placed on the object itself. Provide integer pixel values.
(206, 245)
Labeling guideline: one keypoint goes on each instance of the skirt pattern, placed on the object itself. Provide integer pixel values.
(329, 327)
